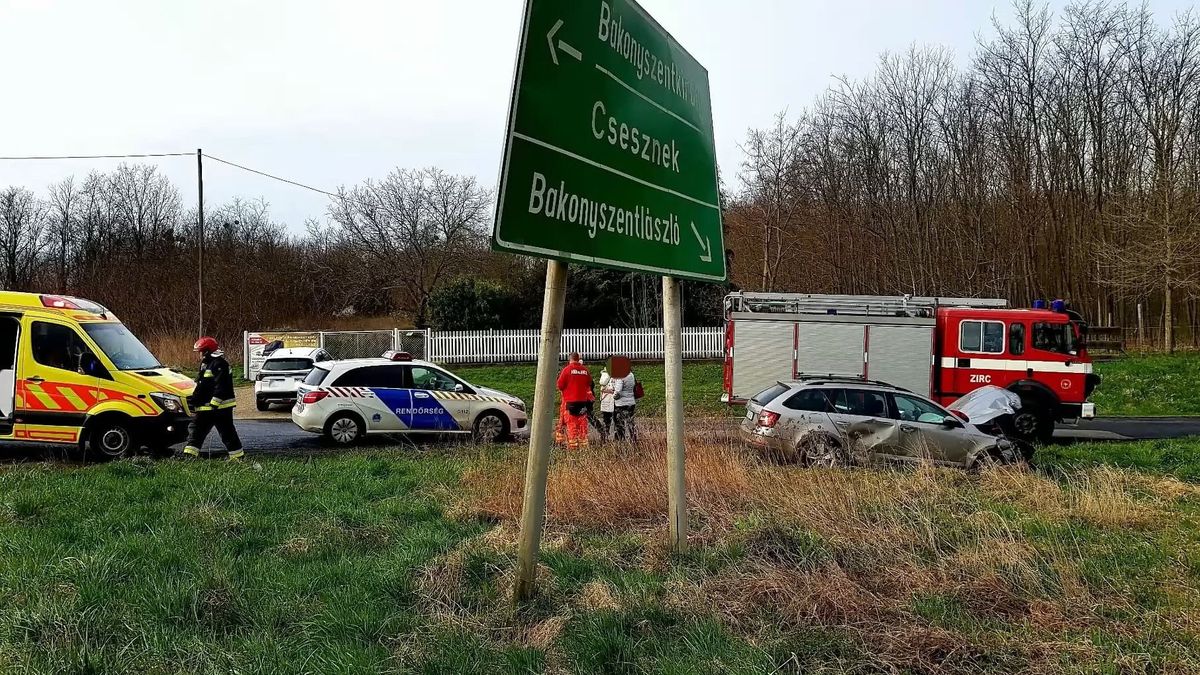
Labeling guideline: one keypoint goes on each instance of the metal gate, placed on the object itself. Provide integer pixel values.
(414, 342)
(357, 344)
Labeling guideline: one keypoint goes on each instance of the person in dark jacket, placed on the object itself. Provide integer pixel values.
(213, 400)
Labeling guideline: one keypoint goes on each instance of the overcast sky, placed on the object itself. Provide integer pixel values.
(331, 93)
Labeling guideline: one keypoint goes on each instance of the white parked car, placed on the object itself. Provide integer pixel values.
(347, 400)
(282, 373)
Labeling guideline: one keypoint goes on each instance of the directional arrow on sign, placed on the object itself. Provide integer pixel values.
(705, 245)
(566, 48)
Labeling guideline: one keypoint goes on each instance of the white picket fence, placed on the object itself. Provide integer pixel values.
(521, 346)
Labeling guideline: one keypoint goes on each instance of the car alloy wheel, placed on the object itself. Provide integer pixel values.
(821, 452)
(344, 430)
(489, 428)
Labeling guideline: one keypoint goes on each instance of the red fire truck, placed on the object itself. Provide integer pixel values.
(940, 347)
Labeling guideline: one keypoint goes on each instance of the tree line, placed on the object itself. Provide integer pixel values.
(413, 246)
(1062, 161)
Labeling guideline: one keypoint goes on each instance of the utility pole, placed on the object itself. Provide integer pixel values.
(673, 367)
(200, 234)
(541, 438)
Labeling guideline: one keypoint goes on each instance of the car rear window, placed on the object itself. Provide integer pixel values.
(809, 400)
(767, 395)
(316, 376)
(287, 364)
(860, 402)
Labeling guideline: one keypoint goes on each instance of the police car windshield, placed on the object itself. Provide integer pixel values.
(121, 346)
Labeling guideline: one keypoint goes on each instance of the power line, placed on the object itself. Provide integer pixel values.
(273, 177)
(142, 155)
(146, 155)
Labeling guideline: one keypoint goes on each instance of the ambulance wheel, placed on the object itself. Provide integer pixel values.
(344, 429)
(490, 427)
(110, 438)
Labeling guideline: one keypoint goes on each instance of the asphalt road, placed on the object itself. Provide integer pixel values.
(282, 436)
(1131, 428)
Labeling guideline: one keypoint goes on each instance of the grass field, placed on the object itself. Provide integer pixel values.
(390, 561)
(1150, 385)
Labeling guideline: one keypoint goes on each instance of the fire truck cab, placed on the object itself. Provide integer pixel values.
(940, 347)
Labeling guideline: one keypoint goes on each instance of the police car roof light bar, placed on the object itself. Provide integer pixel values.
(392, 355)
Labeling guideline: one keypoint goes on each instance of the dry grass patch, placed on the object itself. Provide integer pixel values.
(853, 550)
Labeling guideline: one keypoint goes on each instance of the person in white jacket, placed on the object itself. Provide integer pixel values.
(624, 400)
(607, 405)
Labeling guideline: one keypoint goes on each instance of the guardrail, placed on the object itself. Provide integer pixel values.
(521, 346)
(483, 347)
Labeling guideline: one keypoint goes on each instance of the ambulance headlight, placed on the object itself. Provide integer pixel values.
(168, 402)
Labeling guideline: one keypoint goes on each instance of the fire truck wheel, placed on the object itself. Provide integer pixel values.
(1032, 423)
(819, 450)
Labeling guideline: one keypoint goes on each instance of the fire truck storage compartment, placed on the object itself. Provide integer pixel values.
(833, 348)
(902, 355)
(897, 350)
(763, 352)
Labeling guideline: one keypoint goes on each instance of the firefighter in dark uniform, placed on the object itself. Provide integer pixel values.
(214, 402)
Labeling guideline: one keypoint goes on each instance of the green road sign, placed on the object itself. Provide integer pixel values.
(609, 158)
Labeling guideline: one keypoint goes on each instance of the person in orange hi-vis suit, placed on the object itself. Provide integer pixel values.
(575, 383)
(560, 424)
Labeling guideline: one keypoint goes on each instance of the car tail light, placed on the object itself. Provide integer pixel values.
(767, 419)
(314, 396)
(961, 415)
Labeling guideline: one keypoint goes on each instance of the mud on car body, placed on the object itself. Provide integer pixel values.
(829, 421)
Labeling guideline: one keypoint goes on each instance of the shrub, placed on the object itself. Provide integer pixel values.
(471, 304)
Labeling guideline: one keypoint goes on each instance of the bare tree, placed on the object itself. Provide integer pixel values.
(417, 228)
(63, 206)
(1161, 240)
(22, 225)
(772, 189)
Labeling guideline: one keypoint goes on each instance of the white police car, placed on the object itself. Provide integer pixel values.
(346, 400)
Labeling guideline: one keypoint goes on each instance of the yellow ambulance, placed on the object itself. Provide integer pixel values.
(72, 374)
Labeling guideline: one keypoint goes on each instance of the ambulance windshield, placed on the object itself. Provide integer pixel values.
(1054, 337)
(121, 346)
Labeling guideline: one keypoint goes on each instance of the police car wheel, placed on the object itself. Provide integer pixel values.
(344, 429)
(491, 427)
(110, 440)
